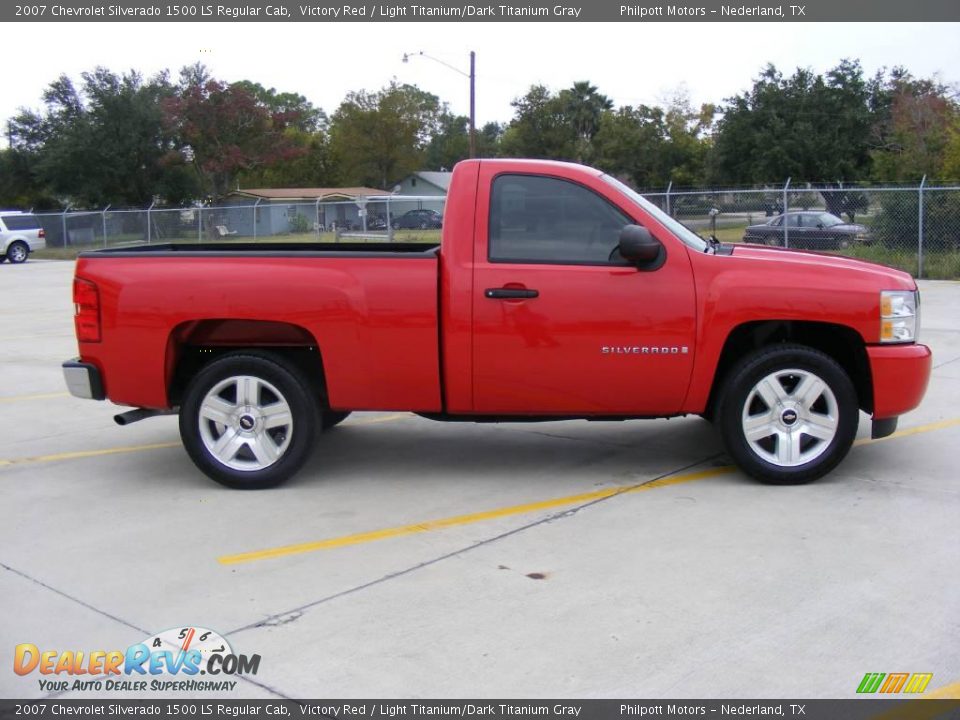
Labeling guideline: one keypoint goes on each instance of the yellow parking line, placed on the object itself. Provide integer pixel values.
(947, 692)
(381, 419)
(137, 448)
(86, 454)
(915, 709)
(916, 430)
(36, 337)
(35, 396)
(467, 519)
(470, 518)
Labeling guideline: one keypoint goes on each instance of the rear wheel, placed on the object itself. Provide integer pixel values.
(248, 420)
(17, 252)
(788, 414)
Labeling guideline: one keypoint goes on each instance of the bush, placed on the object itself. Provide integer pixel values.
(299, 224)
(896, 224)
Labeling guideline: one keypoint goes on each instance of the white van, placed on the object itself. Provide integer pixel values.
(20, 235)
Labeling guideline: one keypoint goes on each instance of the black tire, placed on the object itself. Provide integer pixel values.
(332, 418)
(17, 252)
(253, 466)
(779, 458)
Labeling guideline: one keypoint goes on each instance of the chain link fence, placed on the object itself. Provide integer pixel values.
(407, 218)
(914, 228)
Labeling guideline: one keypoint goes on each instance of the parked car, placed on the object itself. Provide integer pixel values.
(808, 230)
(555, 292)
(422, 219)
(20, 235)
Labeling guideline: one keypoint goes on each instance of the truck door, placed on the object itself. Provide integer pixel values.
(561, 323)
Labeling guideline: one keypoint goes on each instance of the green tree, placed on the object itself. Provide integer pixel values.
(19, 185)
(540, 127)
(450, 144)
(915, 127)
(102, 143)
(378, 138)
(583, 106)
(300, 112)
(313, 168)
(809, 127)
(224, 130)
(630, 144)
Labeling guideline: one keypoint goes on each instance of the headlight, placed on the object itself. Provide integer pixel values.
(899, 316)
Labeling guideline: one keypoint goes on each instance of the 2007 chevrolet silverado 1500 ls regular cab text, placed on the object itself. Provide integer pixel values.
(556, 292)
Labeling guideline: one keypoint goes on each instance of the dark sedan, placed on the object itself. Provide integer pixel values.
(809, 230)
(422, 219)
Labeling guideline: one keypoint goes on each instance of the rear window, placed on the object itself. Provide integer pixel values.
(20, 222)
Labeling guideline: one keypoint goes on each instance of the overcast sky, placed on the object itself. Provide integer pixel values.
(630, 62)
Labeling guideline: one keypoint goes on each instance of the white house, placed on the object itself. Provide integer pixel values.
(423, 184)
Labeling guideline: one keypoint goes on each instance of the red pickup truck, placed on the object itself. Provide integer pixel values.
(556, 292)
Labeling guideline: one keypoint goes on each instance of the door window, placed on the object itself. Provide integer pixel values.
(537, 219)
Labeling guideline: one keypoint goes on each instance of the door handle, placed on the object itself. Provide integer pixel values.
(508, 293)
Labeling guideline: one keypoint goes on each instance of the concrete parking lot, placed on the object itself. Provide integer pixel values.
(413, 558)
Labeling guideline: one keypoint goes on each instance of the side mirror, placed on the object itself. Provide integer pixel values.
(638, 246)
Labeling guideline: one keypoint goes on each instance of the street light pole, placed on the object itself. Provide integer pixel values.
(472, 75)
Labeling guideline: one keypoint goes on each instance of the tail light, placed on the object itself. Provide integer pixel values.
(42, 233)
(86, 301)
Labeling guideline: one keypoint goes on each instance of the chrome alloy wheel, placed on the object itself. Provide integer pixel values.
(790, 417)
(245, 423)
(17, 252)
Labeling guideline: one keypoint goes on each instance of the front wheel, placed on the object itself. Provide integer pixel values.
(788, 414)
(248, 420)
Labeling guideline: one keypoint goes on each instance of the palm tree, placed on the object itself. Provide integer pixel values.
(584, 106)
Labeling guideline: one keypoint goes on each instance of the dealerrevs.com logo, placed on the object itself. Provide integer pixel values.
(172, 660)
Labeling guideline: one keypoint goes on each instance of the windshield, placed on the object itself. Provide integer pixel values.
(675, 226)
(828, 220)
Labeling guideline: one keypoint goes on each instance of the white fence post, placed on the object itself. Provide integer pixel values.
(63, 224)
(149, 231)
(390, 221)
(786, 202)
(103, 218)
(669, 186)
(923, 182)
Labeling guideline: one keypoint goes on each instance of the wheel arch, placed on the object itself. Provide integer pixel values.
(840, 342)
(194, 344)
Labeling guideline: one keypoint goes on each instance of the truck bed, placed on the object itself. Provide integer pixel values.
(371, 309)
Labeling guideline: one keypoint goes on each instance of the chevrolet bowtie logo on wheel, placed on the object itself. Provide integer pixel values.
(894, 682)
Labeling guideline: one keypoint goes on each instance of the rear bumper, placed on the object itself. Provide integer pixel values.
(900, 376)
(83, 380)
